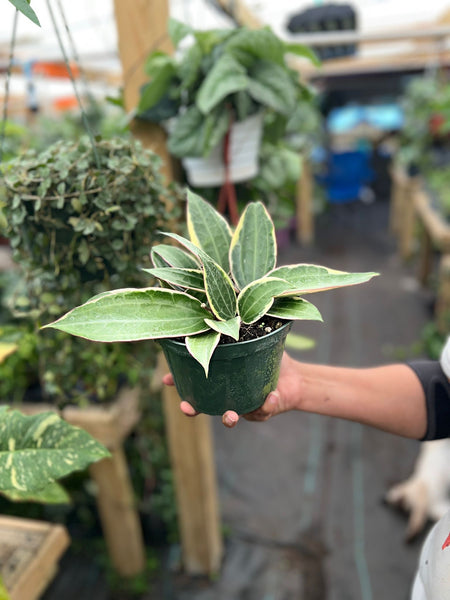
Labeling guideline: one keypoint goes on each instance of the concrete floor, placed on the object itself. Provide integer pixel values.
(302, 496)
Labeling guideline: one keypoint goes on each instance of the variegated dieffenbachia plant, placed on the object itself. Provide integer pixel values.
(209, 285)
(37, 450)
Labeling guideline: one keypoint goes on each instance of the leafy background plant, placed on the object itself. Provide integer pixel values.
(425, 138)
(68, 243)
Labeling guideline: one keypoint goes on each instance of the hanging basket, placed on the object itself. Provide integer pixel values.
(245, 141)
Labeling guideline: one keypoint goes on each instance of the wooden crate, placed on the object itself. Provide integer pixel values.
(29, 555)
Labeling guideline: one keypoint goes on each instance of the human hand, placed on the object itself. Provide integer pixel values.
(279, 401)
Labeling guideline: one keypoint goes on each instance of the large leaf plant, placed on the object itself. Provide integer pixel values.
(212, 286)
(216, 77)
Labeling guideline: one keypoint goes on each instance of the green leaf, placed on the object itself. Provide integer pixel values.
(208, 229)
(135, 314)
(201, 347)
(219, 291)
(178, 31)
(219, 287)
(271, 86)
(187, 278)
(313, 278)
(36, 450)
(226, 77)
(253, 250)
(230, 327)
(299, 342)
(52, 493)
(187, 137)
(257, 297)
(164, 255)
(24, 7)
(260, 43)
(294, 308)
(207, 40)
(189, 67)
(304, 51)
(161, 69)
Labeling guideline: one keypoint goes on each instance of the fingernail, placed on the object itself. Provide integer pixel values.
(272, 398)
(230, 421)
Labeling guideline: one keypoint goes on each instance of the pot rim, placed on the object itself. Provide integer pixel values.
(233, 344)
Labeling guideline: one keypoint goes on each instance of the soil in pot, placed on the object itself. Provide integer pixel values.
(241, 374)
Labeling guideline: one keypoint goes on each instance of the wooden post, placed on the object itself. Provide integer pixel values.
(116, 505)
(408, 216)
(192, 456)
(240, 13)
(304, 209)
(142, 27)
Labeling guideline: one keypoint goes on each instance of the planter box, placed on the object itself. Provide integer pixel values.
(29, 554)
(245, 140)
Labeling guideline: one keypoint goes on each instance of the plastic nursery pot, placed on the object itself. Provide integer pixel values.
(241, 374)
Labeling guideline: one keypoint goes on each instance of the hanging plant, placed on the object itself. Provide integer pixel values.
(78, 223)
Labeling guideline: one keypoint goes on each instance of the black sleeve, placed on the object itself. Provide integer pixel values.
(437, 394)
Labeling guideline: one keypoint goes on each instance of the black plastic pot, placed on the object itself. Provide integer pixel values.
(240, 375)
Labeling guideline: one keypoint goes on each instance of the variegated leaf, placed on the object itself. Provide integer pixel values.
(219, 291)
(253, 250)
(36, 450)
(164, 255)
(257, 297)
(201, 347)
(191, 279)
(53, 493)
(306, 278)
(229, 328)
(135, 314)
(294, 308)
(208, 229)
(219, 287)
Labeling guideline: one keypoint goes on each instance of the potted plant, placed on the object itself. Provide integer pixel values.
(213, 95)
(78, 219)
(222, 310)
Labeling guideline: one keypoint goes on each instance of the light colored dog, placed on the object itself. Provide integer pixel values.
(426, 493)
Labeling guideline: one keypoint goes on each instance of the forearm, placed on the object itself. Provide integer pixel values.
(389, 397)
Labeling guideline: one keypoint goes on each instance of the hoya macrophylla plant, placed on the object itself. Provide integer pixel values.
(211, 285)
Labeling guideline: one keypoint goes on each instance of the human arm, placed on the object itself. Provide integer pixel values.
(388, 397)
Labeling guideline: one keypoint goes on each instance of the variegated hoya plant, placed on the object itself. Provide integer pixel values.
(216, 282)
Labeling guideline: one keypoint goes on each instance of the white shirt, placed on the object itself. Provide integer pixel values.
(432, 580)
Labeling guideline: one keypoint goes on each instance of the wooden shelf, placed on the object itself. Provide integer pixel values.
(29, 555)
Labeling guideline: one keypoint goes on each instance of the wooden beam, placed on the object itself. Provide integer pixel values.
(192, 456)
(142, 26)
(304, 205)
(240, 13)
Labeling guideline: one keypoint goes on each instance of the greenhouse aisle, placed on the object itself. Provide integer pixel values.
(302, 496)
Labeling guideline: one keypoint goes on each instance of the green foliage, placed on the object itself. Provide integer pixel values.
(219, 77)
(426, 106)
(24, 7)
(78, 228)
(248, 288)
(37, 450)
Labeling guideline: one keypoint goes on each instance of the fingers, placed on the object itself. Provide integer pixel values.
(230, 418)
(270, 408)
(168, 379)
(188, 409)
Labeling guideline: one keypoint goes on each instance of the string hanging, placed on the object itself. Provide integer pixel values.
(7, 84)
(75, 88)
